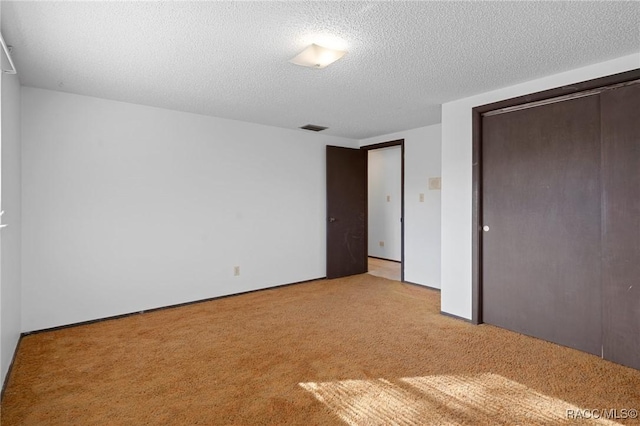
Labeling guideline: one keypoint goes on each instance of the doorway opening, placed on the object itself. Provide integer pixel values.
(386, 209)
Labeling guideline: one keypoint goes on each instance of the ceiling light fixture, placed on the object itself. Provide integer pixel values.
(317, 57)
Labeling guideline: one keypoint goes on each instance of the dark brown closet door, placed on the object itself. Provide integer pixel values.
(541, 201)
(621, 239)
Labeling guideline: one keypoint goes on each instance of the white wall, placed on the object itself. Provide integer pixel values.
(10, 236)
(384, 202)
(421, 219)
(457, 175)
(127, 207)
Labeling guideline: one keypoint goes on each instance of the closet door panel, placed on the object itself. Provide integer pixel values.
(541, 208)
(620, 123)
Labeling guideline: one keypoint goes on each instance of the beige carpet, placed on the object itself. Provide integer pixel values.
(362, 350)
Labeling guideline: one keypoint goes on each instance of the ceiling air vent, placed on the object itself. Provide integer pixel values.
(313, 128)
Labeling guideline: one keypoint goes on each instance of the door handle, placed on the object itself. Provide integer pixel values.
(332, 219)
(485, 228)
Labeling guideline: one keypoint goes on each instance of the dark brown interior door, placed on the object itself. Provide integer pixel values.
(541, 254)
(621, 239)
(346, 211)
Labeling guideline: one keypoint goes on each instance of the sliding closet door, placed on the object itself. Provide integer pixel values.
(621, 239)
(541, 258)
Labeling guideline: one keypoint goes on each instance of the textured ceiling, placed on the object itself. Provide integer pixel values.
(229, 59)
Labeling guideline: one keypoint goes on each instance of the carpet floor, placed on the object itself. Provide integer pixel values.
(361, 350)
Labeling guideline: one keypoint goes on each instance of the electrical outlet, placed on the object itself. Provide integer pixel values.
(422, 198)
(236, 271)
(381, 243)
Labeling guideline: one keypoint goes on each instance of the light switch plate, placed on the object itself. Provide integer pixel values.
(434, 183)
